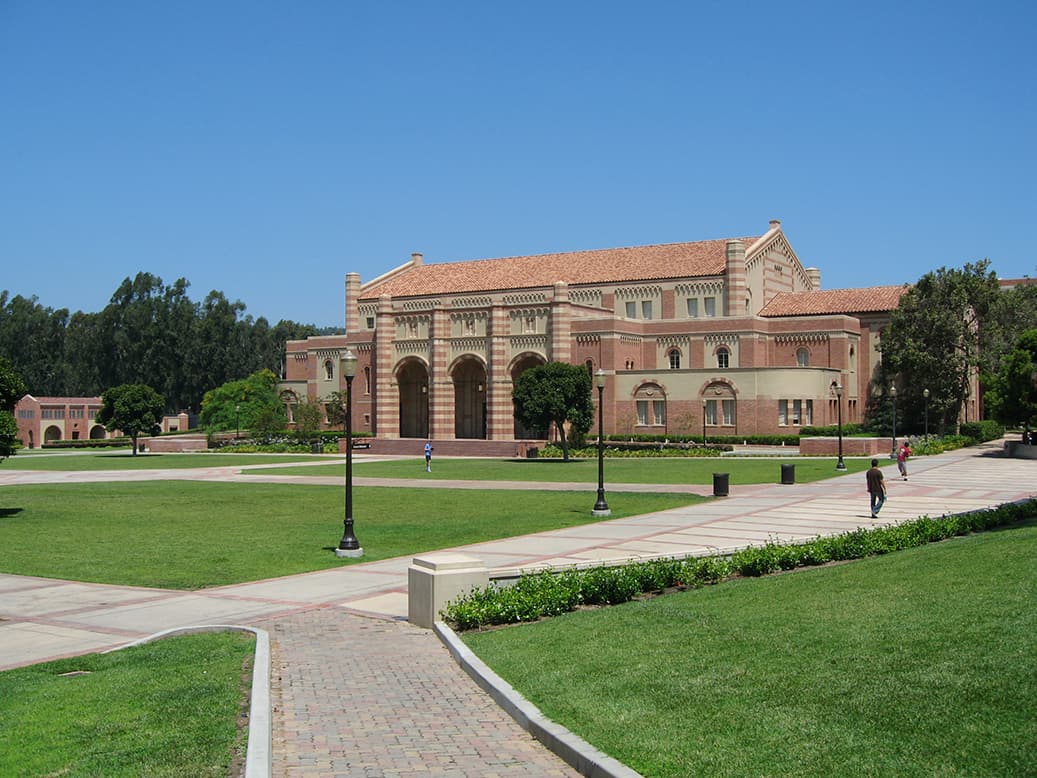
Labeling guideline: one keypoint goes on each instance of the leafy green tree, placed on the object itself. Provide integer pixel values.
(12, 389)
(133, 409)
(1011, 396)
(240, 404)
(937, 339)
(555, 393)
(308, 417)
(32, 339)
(335, 409)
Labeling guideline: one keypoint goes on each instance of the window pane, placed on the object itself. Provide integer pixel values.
(642, 412)
(797, 407)
(722, 358)
(711, 411)
(783, 412)
(631, 310)
(693, 307)
(659, 411)
(646, 309)
(803, 358)
(810, 413)
(729, 412)
(675, 360)
(711, 306)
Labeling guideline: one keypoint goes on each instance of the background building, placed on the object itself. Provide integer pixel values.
(48, 419)
(734, 337)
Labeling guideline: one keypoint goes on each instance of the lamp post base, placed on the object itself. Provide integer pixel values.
(601, 512)
(352, 553)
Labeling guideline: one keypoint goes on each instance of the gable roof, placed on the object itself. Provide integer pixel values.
(833, 301)
(602, 266)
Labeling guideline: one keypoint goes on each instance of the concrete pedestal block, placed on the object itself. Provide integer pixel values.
(434, 580)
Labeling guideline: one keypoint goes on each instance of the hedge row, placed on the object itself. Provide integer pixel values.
(538, 595)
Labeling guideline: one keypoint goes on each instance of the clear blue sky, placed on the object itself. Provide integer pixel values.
(267, 149)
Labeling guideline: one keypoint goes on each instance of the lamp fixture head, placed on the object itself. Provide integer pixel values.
(349, 361)
(599, 378)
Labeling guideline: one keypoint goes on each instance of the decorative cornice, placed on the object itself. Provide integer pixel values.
(418, 305)
(416, 346)
(468, 344)
(802, 337)
(472, 302)
(634, 339)
(721, 337)
(585, 339)
(528, 342)
(700, 288)
(328, 353)
(673, 340)
(522, 313)
(468, 315)
(638, 292)
(586, 296)
(530, 298)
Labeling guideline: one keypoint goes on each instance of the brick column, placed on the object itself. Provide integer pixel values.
(561, 324)
(441, 386)
(352, 296)
(734, 283)
(500, 412)
(387, 393)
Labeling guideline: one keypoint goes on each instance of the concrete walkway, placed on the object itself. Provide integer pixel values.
(358, 691)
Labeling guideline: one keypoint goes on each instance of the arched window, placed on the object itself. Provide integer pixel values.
(723, 358)
(651, 406)
(803, 357)
(675, 359)
(589, 364)
(329, 370)
(367, 379)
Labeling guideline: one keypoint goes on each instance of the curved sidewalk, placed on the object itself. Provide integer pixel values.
(357, 691)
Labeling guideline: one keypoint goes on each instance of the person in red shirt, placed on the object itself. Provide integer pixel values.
(902, 454)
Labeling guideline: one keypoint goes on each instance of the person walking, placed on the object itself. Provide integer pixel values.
(876, 488)
(902, 454)
(428, 456)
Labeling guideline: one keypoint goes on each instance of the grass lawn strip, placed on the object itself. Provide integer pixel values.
(191, 535)
(168, 708)
(619, 471)
(125, 460)
(913, 663)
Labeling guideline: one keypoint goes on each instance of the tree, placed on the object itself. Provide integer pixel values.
(937, 339)
(335, 409)
(12, 389)
(308, 417)
(555, 393)
(241, 404)
(133, 409)
(1011, 396)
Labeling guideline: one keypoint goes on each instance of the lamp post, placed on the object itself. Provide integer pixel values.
(840, 465)
(349, 546)
(703, 422)
(893, 398)
(925, 395)
(237, 420)
(601, 508)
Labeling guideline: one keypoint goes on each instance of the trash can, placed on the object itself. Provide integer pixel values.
(317, 448)
(720, 481)
(532, 452)
(788, 474)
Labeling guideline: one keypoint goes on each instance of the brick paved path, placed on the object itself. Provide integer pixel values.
(358, 696)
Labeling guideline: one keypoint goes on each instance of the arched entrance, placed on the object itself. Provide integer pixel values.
(412, 379)
(51, 435)
(97, 432)
(469, 376)
(518, 367)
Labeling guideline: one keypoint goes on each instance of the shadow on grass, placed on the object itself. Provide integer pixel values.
(8, 512)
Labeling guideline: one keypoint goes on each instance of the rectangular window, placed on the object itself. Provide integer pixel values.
(27, 413)
(797, 409)
(631, 310)
(52, 413)
(646, 309)
(93, 412)
(659, 411)
(729, 413)
(711, 412)
(370, 322)
(808, 417)
(711, 306)
(783, 412)
(642, 412)
(75, 413)
(693, 307)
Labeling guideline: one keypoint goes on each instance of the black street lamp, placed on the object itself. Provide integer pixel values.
(237, 420)
(893, 398)
(349, 546)
(840, 465)
(601, 508)
(925, 394)
(703, 422)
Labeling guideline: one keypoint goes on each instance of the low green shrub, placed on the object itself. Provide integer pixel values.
(982, 431)
(849, 430)
(92, 443)
(544, 593)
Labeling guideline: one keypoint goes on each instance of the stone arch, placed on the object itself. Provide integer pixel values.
(412, 378)
(650, 404)
(469, 376)
(519, 365)
(97, 432)
(51, 434)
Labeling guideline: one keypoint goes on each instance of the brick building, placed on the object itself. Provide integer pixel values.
(49, 419)
(734, 336)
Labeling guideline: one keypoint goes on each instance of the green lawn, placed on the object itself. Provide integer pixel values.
(619, 470)
(919, 663)
(168, 708)
(189, 535)
(125, 460)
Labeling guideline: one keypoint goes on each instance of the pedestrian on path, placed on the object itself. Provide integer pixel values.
(902, 454)
(428, 456)
(876, 488)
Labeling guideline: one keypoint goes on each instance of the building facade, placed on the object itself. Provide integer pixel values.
(726, 337)
(43, 420)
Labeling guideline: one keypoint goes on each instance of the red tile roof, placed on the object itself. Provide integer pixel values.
(637, 263)
(834, 301)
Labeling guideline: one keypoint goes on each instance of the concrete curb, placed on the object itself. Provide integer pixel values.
(572, 749)
(260, 721)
